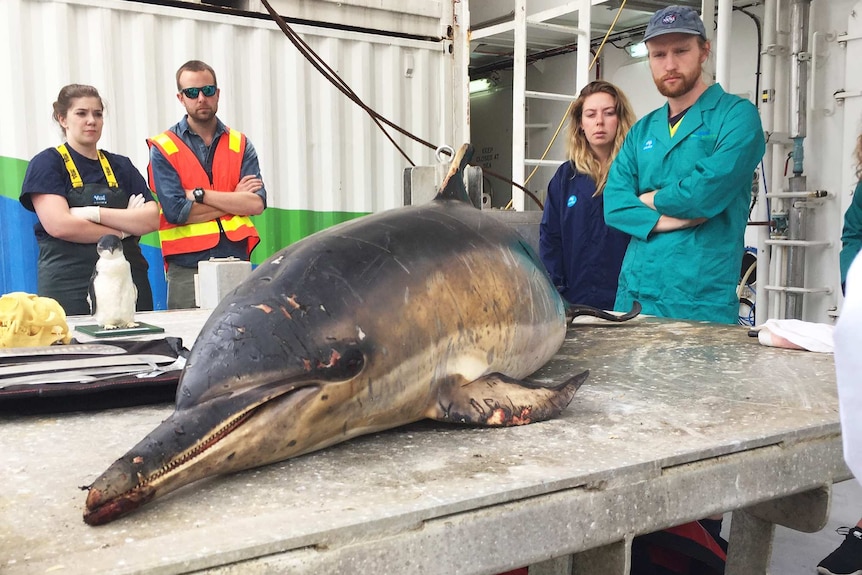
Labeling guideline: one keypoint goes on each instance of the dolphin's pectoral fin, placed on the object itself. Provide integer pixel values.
(501, 401)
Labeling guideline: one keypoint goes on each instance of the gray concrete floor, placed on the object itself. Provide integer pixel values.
(795, 553)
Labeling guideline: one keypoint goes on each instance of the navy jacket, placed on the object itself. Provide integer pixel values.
(582, 254)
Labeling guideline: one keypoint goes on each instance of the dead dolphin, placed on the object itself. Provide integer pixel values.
(434, 311)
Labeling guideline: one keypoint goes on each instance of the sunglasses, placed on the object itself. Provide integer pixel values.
(192, 93)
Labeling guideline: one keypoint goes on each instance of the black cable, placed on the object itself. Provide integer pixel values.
(519, 186)
(321, 66)
(330, 74)
(757, 74)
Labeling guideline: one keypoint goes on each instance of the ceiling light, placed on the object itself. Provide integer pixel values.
(638, 50)
(480, 85)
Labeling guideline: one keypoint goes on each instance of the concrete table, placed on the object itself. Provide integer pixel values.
(677, 421)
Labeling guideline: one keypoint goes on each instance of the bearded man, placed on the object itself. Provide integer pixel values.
(681, 184)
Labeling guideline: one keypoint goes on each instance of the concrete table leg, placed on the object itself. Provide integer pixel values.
(807, 512)
(613, 559)
(557, 566)
(750, 545)
(752, 529)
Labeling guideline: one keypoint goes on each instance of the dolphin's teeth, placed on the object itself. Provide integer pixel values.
(197, 450)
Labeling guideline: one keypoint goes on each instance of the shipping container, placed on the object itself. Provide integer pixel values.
(322, 157)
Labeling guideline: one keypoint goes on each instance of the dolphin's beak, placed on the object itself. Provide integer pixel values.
(180, 451)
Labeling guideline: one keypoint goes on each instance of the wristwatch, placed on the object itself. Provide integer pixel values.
(198, 194)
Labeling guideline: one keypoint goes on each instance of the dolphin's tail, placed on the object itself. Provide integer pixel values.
(574, 311)
(453, 185)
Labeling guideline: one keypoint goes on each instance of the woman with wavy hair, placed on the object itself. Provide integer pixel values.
(582, 254)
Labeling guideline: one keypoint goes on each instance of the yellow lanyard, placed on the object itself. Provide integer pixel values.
(75, 176)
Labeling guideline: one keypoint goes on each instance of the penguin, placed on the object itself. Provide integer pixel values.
(112, 293)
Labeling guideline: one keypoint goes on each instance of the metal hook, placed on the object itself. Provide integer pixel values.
(449, 152)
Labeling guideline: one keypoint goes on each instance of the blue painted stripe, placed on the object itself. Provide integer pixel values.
(19, 254)
(17, 247)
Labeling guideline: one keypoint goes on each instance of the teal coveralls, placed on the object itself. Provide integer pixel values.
(851, 234)
(704, 171)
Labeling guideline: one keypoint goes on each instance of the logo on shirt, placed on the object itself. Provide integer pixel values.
(648, 145)
(571, 201)
(705, 135)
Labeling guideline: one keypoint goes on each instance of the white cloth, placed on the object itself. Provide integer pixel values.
(797, 334)
(848, 368)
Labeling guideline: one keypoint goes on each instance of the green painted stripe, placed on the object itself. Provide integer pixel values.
(11, 177)
(12, 172)
(279, 228)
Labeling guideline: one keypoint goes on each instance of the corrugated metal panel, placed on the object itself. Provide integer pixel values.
(414, 17)
(319, 152)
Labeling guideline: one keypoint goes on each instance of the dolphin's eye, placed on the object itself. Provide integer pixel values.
(352, 361)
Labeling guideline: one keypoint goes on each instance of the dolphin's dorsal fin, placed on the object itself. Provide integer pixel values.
(453, 185)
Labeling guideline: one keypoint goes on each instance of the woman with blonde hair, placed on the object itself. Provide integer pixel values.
(582, 254)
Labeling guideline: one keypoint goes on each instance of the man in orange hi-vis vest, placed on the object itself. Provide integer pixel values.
(208, 181)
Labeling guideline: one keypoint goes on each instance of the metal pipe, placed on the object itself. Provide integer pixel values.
(797, 218)
(802, 243)
(519, 102)
(767, 118)
(779, 150)
(707, 14)
(583, 56)
(799, 21)
(795, 290)
(810, 194)
(550, 96)
(797, 215)
(723, 32)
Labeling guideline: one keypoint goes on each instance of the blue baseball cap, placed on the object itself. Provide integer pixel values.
(675, 20)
